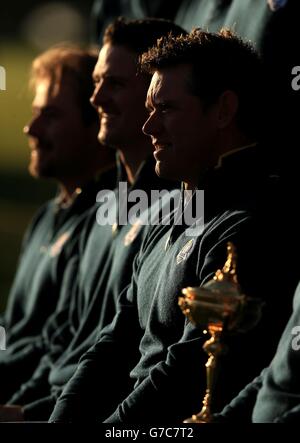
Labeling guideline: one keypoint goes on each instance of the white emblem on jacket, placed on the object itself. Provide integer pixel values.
(185, 251)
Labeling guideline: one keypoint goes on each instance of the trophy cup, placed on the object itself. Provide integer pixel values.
(219, 307)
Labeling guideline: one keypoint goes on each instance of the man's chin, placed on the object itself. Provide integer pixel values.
(163, 171)
(37, 170)
(34, 170)
(108, 140)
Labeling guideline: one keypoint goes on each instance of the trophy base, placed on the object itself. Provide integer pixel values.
(199, 418)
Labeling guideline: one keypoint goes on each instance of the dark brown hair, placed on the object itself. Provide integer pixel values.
(139, 35)
(219, 61)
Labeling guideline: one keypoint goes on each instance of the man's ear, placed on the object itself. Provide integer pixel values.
(228, 103)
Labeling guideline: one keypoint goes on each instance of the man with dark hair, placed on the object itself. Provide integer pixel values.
(106, 250)
(63, 147)
(236, 92)
(200, 135)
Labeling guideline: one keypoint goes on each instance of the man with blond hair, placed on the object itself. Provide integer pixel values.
(63, 147)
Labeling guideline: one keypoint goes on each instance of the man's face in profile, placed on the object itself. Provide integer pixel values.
(181, 129)
(119, 97)
(58, 136)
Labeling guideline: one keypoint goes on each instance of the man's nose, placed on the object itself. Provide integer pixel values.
(152, 125)
(33, 128)
(26, 130)
(99, 95)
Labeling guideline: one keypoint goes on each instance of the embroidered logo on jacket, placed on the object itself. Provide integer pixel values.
(57, 246)
(185, 251)
(132, 234)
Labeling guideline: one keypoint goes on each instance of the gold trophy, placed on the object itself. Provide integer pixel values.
(218, 307)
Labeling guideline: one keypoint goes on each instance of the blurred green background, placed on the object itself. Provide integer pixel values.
(26, 30)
